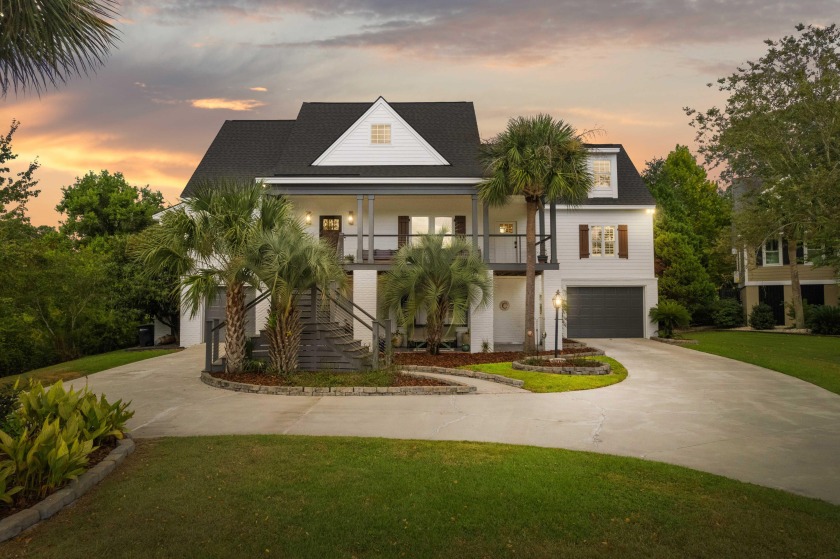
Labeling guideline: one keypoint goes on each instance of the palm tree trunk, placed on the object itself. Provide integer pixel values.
(284, 337)
(235, 328)
(532, 205)
(798, 311)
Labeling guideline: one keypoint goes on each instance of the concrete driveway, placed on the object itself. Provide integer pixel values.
(677, 405)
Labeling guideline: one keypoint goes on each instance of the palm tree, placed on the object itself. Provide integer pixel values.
(439, 276)
(542, 159)
(287, 262)
(44, 42)
(206, 240)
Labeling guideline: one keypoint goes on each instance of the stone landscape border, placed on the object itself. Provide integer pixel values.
(453, 388)
(13, 525)
(673, 341)
(603, 369)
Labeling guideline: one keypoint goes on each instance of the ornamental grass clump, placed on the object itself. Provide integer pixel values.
(47, 440)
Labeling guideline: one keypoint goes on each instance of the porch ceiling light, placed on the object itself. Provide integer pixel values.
(309, 218)
(350, 218)
(557, 300)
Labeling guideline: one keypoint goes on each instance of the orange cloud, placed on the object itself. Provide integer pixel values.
(229, 104)
(262, 89)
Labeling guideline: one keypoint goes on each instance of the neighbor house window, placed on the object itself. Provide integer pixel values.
(601, 173)
(772, 253)
(602, 240)
(380, 133)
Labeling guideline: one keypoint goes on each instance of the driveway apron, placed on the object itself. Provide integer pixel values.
(677, 405)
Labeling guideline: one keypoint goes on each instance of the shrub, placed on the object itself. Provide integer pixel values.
(45, 460)
(8, 404)
(807, 309)
(825, 320)
(47, 439)
(761, 317)
(669, 315)
(98, 419)
(728, 313)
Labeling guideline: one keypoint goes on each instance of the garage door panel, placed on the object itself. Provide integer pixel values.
(605, 312)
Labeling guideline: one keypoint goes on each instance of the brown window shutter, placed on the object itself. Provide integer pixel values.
(460, 225)
(622, 241)
(403, 228)
(584, 241)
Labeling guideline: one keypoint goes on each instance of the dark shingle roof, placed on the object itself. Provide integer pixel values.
(263, 148)
(450, 128)
(242, 149)
(632, 190)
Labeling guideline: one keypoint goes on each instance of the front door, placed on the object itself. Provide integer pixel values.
(774, 295)
(330, 229)
(506, 243)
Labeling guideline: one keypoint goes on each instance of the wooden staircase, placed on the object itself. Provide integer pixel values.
(327, 341)
(325, 344)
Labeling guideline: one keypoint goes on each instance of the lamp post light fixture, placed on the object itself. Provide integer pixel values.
(557, 301)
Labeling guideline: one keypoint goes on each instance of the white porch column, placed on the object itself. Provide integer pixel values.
(552, 281)
(481, 323)
(364, 295)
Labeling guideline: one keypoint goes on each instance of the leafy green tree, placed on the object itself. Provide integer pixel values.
(541, 159)
(288, 261)
(438, 276)
(105, 204)
(206, 241)
(43, 43)
(690, 204)
(16, 189)
(682, 277)
(780, 133)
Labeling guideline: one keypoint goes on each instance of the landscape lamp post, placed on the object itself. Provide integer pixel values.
(557, 301)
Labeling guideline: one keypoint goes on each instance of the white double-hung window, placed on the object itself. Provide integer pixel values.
(772, 252)
(602, 174)
(422, 225)
(602, 240)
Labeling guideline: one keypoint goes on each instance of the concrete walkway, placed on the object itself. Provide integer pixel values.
(677, 405)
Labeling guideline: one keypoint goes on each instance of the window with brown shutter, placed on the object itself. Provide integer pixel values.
(584, 241)
(622, 241)
(460, 225)
(403, 225)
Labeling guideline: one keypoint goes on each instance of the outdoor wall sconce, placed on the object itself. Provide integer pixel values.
(309, 218)
(350, 218)
(650, 211)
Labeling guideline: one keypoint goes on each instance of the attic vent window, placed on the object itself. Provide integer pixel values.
(380, 133)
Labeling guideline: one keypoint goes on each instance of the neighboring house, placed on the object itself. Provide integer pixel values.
(371, 176)
(763, 276)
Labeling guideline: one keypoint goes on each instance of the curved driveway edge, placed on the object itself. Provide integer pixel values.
(677, 405)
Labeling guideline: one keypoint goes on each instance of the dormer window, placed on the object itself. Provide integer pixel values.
(380, 133)
(601, 173)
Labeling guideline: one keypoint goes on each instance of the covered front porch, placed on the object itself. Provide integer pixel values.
(368, 225)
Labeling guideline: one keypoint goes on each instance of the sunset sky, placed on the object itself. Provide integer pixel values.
(183, 67)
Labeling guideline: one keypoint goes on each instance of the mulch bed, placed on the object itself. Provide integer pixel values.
(453, 360)
(94, 458)
(276, 380)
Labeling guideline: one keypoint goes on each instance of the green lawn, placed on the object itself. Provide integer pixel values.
(84, 366)
(280, 496)
(549, 382)
(815, 359)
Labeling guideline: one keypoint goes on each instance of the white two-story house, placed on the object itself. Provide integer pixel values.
(370, 176)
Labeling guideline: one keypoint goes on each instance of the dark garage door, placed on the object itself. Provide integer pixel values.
(605, 312)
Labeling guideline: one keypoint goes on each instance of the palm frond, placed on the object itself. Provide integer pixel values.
(45, 42)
